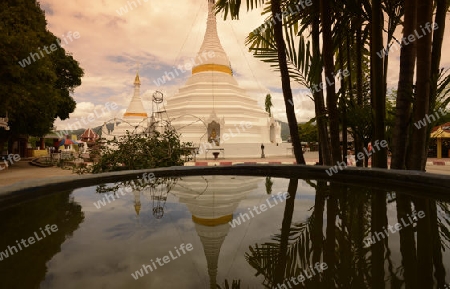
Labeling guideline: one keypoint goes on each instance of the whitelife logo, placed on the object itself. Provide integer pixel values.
(90, 118)
(11, 158)
(53, 47)
(124, 9)
(320, 267)
(243, 125)
(397, 227)
(411, 38)
(237, 221)
(31, 240)
(169, 75)
(166, 259)
(430, 118)
(269, 23)
(342, 165)
(145, 180)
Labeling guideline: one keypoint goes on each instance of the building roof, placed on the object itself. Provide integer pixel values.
(89, 134)
(441, 131)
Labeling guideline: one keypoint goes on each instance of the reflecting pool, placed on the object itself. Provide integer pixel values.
(233, 231)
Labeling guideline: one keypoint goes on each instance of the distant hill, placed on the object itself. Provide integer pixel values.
(97, 130)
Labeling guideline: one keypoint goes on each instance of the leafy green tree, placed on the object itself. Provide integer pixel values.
(34, 93)
(268, 104)
(141, 151)
(269, 184)
(308, 131)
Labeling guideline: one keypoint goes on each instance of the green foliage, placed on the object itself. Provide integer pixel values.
(141, 151)
(268, 104)
(360, 121)
(33, 95)
(442, 94)
(308, 132)
(269, 185)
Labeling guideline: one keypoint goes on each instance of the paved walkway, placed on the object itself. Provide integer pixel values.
(311, 158)
(23, 171)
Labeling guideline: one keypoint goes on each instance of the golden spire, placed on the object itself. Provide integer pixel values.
(212, 56)
(136, 79)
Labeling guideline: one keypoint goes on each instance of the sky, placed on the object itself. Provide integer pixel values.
(160, 35)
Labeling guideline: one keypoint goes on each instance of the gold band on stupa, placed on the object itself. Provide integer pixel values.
(212, 222)
(141, 114)
(212, 67)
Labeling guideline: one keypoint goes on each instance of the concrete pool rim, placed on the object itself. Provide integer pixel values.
(414, 182)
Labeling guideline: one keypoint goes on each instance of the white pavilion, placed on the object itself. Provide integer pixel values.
(212, 110)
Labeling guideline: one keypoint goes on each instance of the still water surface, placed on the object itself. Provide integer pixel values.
(196, 232)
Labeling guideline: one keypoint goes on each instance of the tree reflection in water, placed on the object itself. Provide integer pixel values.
(156, 189)
(28, 268)
(411, 259)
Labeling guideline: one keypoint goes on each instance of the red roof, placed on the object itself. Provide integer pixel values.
(89, 134)
(445, 127)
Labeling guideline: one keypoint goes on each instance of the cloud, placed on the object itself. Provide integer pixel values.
(160, 35)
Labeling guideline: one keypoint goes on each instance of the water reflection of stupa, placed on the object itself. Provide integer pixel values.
(212, 209)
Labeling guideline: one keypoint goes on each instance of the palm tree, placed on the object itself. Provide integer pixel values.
(279, 46)
(422, 97)
(327, 55)
(377, 82)
(268, 104)
(405, 88)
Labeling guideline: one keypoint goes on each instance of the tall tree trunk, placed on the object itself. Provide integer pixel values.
(317, 234)
(327, 54)
(359, 143)
(343, 104)
(319, 102)
(438, 39)
(349, 39)
(407, 242)
(286, 84)
(379, 158)
(422, 97)
(405, 89)
(379, 223)
(439, 272)
(344, 128)
(424, 244)
(280, 270)
(329, 254)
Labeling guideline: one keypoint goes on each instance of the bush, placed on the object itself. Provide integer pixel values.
(141, 151)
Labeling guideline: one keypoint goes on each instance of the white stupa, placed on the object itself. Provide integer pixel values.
(211, 108)
(134, 119)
